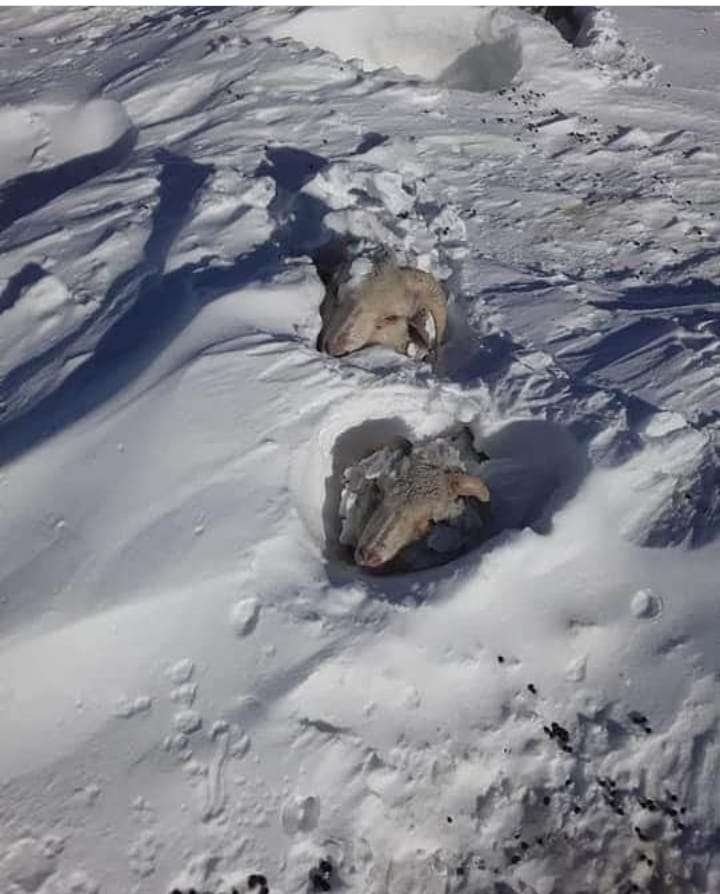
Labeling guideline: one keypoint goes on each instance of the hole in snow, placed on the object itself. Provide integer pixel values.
(349, 448)
(531, 468)
(572, 22)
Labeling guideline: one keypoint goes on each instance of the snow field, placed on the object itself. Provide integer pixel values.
(196, 688)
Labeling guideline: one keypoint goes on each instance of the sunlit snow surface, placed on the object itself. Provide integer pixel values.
(192, 687)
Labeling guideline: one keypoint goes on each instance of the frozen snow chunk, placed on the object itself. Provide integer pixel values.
(244, 616)
(88, 795)
(261, 193)
(387, 187)
(219, 728)
(414, 351)
(126, 707)
(449, 225)
(645, 605)
(360, 269)
(576, 669)
(178, 745)
(239, 746)
(181, 671)
(187, 722)
(184, 694)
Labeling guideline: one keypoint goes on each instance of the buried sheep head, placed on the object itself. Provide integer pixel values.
(410, 501)
(400, 307)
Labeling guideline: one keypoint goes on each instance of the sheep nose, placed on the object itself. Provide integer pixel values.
(368, 557)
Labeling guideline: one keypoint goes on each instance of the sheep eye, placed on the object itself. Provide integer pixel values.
(392, 318)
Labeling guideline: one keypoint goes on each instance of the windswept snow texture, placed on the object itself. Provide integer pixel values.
(192, 688)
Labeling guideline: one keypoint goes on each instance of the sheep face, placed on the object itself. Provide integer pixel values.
(356, 324)
(411, 499)
(389, 306)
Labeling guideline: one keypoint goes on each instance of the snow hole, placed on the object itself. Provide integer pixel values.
(535, 466)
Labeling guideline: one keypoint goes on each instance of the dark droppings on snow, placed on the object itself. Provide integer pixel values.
(560, 735)
(321, 876)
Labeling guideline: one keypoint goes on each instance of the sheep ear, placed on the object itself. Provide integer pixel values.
(462, 485)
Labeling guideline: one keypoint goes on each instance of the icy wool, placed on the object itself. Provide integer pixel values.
(389, 473)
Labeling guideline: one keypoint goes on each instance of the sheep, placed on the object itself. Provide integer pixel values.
(410, 499)
(407, 500)
(378, 302)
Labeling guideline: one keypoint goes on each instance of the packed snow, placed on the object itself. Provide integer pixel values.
(197, 691)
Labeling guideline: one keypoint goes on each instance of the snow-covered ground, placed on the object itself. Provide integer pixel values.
(193, 687)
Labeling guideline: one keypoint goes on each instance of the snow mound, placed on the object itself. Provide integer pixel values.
(471, 49)
(36, 137)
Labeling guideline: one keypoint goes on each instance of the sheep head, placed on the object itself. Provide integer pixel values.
(410, 501)
(393, 306)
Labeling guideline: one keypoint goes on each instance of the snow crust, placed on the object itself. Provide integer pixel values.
(194, 686)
